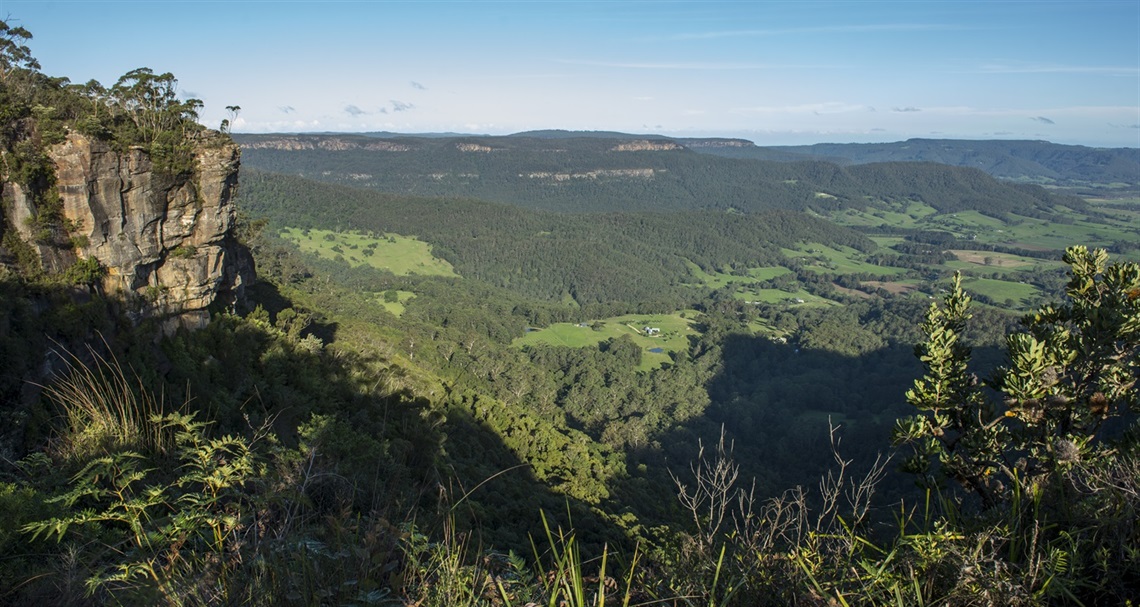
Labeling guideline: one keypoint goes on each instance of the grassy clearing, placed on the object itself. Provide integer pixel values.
(903, 215)
(842, 260)
(720, 279)
(400, 255)
(887, 241)
(674, 335)
(1002, 291)
(969, 261)
(799, 297)
(395, 307)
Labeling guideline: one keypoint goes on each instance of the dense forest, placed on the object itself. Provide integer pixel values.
(354, 433)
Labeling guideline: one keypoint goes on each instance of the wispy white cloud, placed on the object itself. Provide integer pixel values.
(1018, 67)
(822, 29)
(1042, 120)
(828, 107)
(418, 86)
(695, 65)
(906, 109)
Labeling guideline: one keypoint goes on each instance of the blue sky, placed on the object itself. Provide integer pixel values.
(772, 72)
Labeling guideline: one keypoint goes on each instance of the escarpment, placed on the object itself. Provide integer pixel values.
(163, 240)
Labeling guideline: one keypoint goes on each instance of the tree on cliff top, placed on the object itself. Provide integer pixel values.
(14, 54)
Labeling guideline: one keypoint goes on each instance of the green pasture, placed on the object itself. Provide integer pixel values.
(897, 214)
(887, 241)
(395, 307)
(674, 336)
(1001, 290)
(720, 279)
(842, 260)
(400, 255)
(973, 261)
(1036, 233)
(967, 222)
(777, 296)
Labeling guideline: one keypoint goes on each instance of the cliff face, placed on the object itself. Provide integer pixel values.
(165, 239)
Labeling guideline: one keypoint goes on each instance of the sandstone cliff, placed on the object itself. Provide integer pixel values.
(165, 241)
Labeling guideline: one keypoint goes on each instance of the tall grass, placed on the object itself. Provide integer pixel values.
(104, 411)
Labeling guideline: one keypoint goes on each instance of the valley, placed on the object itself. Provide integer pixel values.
(445, 370)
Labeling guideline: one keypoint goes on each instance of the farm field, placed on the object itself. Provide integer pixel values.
(775, 296)
(721, 279)
(968, 261)
(674, 336)
(1023, 232)
(1002, 291)
(400, 255)
(910, 215)
(842, 260)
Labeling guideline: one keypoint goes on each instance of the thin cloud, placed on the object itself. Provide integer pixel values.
(352, 110)
(826, 29)
(1040, 68)
(831, 107)
(286, 109)
(418, 86)
(400, 106)
(1042, 120)
(695, 65)
(906, 109)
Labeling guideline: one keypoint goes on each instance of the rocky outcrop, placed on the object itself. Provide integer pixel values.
(166, 241)
(473, 147)
(643, 145)
(335, 144)
(719, 143)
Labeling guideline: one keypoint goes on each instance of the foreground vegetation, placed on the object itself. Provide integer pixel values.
(1028, 498)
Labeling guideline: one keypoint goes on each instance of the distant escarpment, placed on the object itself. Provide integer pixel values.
(607, 172)
(123, 223)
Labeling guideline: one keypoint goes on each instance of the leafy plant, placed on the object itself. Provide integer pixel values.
(1070, 370)
(156, 538)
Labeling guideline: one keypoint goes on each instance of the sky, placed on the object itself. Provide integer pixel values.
(774, 72)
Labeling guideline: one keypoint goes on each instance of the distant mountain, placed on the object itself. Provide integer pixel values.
(564, 134)
(1040, 162)
(592, 173)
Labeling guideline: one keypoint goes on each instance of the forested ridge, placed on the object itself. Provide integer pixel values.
(1027, 161)
(830, 417)
(604, 174)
